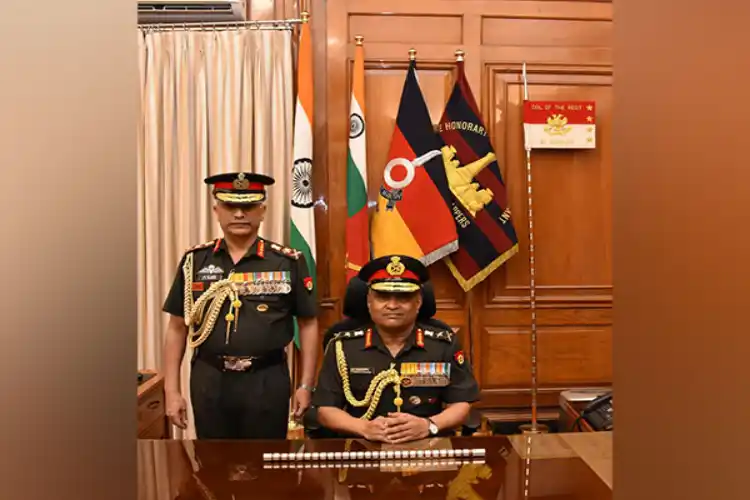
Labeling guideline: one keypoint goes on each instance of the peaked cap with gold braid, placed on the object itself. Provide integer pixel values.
(394, 274)
(240, 188)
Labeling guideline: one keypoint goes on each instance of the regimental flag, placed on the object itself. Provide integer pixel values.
(412, 217)
(357, 222)
(302, 235)
(559, 124)
(479, 199)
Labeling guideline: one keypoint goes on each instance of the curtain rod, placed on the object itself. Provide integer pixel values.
(279, 24)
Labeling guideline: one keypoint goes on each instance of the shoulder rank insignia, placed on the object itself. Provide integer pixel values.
(443, 335)
(349, 335)
(420, 337)
(289, 252)
(261, 248)
(212, 243)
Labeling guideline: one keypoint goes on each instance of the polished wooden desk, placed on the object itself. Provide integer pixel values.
(152, 419)
(555, 466)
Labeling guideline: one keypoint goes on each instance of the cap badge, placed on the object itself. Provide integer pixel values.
(240, 182)
(395, 267)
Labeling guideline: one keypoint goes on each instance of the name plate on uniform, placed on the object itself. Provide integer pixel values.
(425, 374)
(263, 283)
(360, 371)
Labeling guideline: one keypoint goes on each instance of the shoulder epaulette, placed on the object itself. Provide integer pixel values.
(207, 244)
(286, 251)
(352, 334)
(345, 335)
(444, 335)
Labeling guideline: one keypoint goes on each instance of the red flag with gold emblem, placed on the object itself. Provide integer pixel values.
(486, 236)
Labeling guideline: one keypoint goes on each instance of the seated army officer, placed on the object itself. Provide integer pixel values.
(394, 380)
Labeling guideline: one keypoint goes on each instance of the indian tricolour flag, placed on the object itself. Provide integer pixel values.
(303, 218)
(357, 223)
(560, 124)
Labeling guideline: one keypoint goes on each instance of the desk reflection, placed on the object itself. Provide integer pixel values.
(235, 470)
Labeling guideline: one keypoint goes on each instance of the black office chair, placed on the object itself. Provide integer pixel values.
(355, 310)
(356, 316)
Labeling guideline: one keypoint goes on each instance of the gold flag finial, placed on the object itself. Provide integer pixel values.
(459, 55)
(412, 54)
(305, 16)
(359, 39)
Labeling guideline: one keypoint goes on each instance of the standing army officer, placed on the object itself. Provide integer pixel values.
(233, 300)
(395, 380)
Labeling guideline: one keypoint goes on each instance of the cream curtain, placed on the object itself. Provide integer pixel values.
(212, 102)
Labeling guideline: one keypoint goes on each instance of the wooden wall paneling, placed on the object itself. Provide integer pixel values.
(261, 10)
(266, 10)
(321, 171)
(337, 130)
(572, 189)
(572, 198)
(289, 9)
(331, 305)
(568, 48)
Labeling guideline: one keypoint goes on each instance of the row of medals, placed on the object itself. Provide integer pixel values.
(263, 287)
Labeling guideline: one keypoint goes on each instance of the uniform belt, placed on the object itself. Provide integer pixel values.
(242, 363)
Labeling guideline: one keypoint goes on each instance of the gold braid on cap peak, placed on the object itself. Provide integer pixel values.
(377, 386)
(212, 299)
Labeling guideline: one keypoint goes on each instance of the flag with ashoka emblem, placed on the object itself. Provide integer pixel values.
(357, 222)
(302, 235)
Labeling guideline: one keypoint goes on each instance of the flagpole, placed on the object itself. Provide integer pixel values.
(534, 428)
(460, 57)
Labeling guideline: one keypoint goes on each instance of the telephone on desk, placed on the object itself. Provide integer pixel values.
(600, 413)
